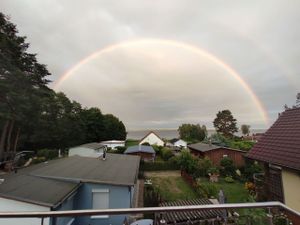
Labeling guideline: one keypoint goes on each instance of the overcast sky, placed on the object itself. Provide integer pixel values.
(157, 84)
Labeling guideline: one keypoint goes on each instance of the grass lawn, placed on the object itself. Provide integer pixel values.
(131, 142)
(173, 188)
(234, 192)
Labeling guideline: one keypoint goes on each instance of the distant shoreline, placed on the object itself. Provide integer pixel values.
(169, 133)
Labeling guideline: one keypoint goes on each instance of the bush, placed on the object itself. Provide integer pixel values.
(166, 154)
(203, 165)
(228, 168)
(146, 143)
(213, 170)
(187, 162)
(120, 149)
(156, 166)
(47, 153)
(206, 190)
(229, 180)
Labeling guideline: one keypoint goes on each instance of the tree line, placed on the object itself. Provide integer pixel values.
(224, 123)
(33, 116)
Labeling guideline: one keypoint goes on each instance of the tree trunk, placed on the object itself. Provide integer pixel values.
(8, 145)
(3, 138)
(16, 140)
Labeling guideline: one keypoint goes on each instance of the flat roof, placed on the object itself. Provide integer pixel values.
(117, 169)
(35, 190)
(49, 183)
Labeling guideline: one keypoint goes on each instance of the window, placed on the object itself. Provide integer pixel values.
(225, 156)
(100, 201)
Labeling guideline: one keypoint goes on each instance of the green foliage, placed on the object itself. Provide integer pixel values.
(187, 162)
(48, 153)
(157, 149)
(166, 154)
(206, 190)
(228, 168)
(213, 170)
(225, 123)
(43, 118)
(219, 139)
(146, 144)
(192, 132)
(160, 165)
(252, 168)
(242, 145)
(203, 166)
(131, 142)
(245, 129)
(229, 179)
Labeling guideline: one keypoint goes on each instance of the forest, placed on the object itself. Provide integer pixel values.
(32, 115)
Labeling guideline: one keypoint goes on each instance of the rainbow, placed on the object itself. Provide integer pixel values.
(176, 44)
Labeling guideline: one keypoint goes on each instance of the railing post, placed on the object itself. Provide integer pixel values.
(270, 216)
(42, 221)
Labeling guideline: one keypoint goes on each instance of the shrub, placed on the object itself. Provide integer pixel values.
(229, 180)
(187, 162)
(206, 190)
(213, 170)
(48, 153)
(166, 154)
(156, 166)
(203, 165)
(228, 168)
(146, 143)
(120, 149)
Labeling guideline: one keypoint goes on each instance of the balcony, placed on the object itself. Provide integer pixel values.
(229, 214)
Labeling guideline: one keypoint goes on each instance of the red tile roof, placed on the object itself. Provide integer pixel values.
(280, 145)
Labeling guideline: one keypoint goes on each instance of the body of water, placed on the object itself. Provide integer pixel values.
(173, 133)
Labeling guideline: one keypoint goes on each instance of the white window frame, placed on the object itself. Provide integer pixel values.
(100, 191)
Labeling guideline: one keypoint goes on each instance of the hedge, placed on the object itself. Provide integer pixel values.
(155, 166)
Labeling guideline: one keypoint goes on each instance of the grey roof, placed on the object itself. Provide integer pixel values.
(202, 147)
(49, 183)
(116, 169)
(36, 190)
(93, 145)
(140, 148)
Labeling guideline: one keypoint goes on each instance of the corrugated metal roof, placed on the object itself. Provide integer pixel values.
(280, 145)
(140, 148)
(192, 216)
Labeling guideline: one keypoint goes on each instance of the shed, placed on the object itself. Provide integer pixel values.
(93, 150)
(147, 153)
(216, 153)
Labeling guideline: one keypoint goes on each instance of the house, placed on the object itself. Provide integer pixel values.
(216, 153)
(113, 144)
(279, 151)
(146, 153)
(178, 143)
(71, 183)
(153, 139)
(94, 150)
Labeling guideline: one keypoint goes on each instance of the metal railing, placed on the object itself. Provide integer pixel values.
(93, 212)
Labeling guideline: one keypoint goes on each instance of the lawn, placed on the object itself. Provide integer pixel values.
(234, 192)
(131, 142)
(173, 188)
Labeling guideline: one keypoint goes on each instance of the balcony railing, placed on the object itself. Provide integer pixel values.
(157, 210)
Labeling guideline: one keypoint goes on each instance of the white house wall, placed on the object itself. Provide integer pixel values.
(12, 205)
(85, 152)
(180, 143)
(152, 139)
